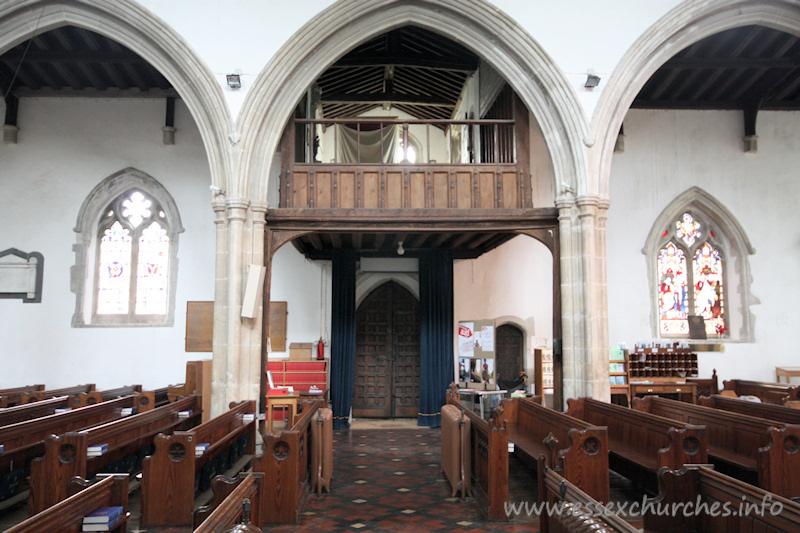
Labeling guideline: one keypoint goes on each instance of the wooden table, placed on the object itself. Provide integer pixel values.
(788, 372)
(664, 388)
(280, 400)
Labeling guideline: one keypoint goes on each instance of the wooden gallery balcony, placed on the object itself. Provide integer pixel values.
(404, 164)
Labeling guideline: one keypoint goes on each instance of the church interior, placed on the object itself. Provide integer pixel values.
(430, 265)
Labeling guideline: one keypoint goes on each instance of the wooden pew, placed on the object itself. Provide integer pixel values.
(640, 443)
(161, 395)
(757, 450)
(128, 440)
(780, 413)
(226, 509)
(24, 441)
(286, 463)
(29, 411)
(198, 381)
(575, 507)
(72, 392)
(172, 474)
(776, 393)
(574, 447)
(67, 516)
(748, 508)
(13, 396)
(146, 400)
(488, 455)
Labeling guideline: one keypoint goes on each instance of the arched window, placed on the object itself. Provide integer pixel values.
(698, 266)
(127, 253)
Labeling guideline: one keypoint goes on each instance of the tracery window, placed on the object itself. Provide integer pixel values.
(125, 273)
(133, 258)
(690, 279)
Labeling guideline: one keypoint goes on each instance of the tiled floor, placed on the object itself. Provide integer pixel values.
(389, 479)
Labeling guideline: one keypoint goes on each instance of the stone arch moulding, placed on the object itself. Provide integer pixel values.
(494, 36)
(689, 22)
(369, 282)
(136, 28)
(733, 238)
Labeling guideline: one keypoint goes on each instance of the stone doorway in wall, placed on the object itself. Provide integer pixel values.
(387, 360)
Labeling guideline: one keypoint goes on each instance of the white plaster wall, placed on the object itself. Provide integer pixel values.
(667, 152)
(244, 35)
(306, 287)
(511, 284)
(66, 147)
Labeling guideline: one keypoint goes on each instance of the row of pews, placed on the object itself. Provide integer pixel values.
(725, 450)
(179, 460)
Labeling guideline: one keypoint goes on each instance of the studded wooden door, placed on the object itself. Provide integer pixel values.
(386, 377)
(508, 352)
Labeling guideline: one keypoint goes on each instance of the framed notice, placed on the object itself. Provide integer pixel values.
(476, 339)
(277, 326)
(697, 327)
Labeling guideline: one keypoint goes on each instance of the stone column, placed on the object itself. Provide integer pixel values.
(220, 346)
(583, 297)
(229, 357)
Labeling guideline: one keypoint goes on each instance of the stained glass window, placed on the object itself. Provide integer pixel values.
(133, 258)
(113, 281)
(672, 293)
(685, 290)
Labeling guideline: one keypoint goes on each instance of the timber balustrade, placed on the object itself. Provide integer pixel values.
(497, 181)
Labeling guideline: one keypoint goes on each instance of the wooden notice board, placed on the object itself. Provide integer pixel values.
(199, 326)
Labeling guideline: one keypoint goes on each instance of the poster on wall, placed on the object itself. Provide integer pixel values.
(476, 339)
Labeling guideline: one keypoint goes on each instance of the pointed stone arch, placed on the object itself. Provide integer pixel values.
(689, 22)
(730, 234)
(491, 34)
(139, 30)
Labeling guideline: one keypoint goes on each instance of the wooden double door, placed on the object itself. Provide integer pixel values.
(387, 359)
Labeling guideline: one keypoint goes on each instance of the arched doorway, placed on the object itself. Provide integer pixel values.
(386, 377)
(508, 352)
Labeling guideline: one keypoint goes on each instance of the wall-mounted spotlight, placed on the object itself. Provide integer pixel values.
(592, 81)
(234, 81)
(400, 249)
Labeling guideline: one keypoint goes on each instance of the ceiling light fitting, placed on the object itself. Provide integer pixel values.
(400, 249)
(592, 81)
(234, 81)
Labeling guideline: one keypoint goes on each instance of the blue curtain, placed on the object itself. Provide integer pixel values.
(343, 335)
(436, 334)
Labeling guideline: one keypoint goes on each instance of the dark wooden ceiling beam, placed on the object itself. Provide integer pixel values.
(376, 98)
(315, 241)
(74, 56)
(689, 63)
(451, 64)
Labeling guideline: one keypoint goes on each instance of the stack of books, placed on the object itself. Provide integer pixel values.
(248, 417)
(102, 519)
(128, 411)
(1, 448)
(185, 414)
(96, 450)
(200, 449)
(59, 410)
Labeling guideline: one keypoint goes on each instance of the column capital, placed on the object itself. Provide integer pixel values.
(237, 208)
(259, 210)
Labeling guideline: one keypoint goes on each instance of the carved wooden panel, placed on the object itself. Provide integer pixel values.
(394, 187)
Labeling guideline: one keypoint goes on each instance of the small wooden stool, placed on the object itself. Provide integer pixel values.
(280, 400)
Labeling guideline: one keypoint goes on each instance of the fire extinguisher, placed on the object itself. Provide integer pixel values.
(320, 350)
